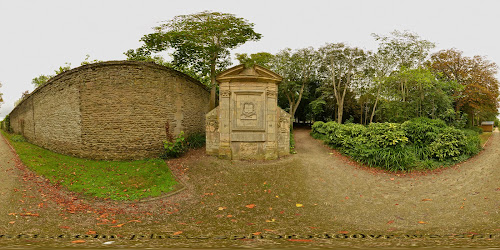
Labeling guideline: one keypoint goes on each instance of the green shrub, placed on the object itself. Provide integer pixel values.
(420, 143)
(175, 148)
(479, 130)
(386, 135)
(6, 124)
(423, 131)
(18, 138)
(195, 140)
(449, 144)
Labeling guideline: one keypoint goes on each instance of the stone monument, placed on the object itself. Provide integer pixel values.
(248, 124)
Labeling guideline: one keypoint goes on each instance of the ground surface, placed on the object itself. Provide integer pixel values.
(315, 192)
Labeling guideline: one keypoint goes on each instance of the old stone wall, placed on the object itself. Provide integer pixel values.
(114, 110)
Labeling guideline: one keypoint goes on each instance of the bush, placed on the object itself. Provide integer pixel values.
(423, 131)
(195, 140)
(417, 143)
(176, 148)
(479, 130)
(18, 138)
(449, 144)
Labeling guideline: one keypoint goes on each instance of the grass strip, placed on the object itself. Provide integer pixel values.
(116, 180)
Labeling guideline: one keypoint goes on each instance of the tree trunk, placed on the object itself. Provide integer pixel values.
(213, 89)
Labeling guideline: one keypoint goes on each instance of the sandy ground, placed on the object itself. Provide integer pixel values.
(316, 193)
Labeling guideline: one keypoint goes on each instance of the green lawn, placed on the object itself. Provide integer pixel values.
(116, 180)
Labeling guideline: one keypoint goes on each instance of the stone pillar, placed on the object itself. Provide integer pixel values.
(249, 120)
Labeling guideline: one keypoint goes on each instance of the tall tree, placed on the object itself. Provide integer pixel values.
(479, 94)
(202, 41)
(298, 69)
(341, 66)
(397, 50)
(1, 94)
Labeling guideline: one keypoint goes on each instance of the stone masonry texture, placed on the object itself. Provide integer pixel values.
(117, 110)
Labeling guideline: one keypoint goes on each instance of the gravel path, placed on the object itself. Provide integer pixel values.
(316, 191)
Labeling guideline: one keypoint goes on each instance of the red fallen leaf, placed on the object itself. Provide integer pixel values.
(347, 197)
(29, 214)
(119, 225)
(91, 232)
(422, 222)
(40, 205)
(250, 224)
(343, 232)
(257, 233)
(134, 221)
(229, 216)
(426, 199)
(78, 241)
(390, 222)
(300, 240)
(250, 206)
(64, 227)
(177, 233)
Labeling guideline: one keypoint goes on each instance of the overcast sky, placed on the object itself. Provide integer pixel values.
(36, 37)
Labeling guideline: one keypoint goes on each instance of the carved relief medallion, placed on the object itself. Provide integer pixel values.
(248, 111)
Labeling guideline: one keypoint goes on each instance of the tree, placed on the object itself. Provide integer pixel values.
(43, 79)
(479, 94)
(341, 65)
(262, 58)
(298, 69)
(397, 50)
(202, 41)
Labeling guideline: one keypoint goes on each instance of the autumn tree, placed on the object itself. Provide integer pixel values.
(201, 41)
(479, 94)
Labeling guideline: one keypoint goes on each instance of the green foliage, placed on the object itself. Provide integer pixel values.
(422, 131)
(175, 148)
(420, 143)
(6, 124)
(18, 138)
(449, 144)
(262, 58)
(478, 130)
(195, 140)
(292, 141)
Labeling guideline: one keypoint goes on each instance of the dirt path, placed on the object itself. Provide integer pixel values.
(312, 192)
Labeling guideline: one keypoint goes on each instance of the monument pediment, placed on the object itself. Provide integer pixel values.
(254, 73)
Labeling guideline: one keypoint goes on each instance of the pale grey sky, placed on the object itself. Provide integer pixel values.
(36, 37)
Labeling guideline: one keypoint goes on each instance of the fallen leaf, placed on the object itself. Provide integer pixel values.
(390, 222)
(299, 205)
(229, 216)
(78, 241)
(427, 200)
(178, 232)
(271, 220)
(222, 208)
(64, 227)
(12, 222)
(134, 221)
(119, 225)
(91, 232)
(250, 206)
(422, 222)
(392, 179)
(343, 232)
(257, 233)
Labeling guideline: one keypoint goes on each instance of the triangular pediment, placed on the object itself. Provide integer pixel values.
(255, 72)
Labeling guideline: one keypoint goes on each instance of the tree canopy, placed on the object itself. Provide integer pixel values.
(200, 42)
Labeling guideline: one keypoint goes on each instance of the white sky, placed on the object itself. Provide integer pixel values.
(36, 37)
